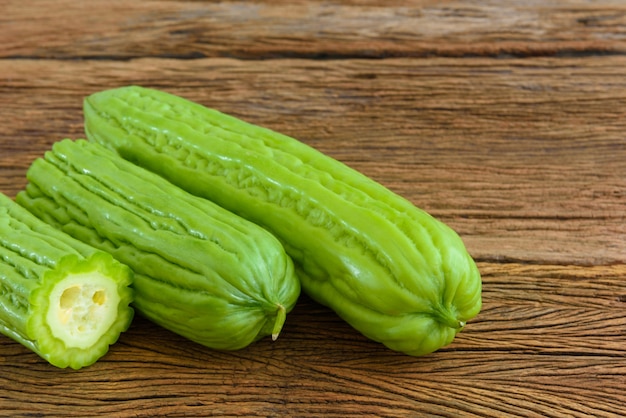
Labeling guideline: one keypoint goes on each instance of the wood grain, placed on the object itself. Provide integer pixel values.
(549, 343)
(311, 29)
(526, 163)
(505, 119)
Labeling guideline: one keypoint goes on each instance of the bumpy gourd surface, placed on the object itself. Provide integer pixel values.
(200, 270)
(59, 297)
(391, 270)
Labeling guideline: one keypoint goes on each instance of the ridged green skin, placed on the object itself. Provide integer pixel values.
(200, 271)
(389, 269)
(34, 260)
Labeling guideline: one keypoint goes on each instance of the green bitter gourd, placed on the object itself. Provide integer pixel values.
(200, 271)
(391, 270)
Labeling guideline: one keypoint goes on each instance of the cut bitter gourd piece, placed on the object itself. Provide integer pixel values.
(199, 270)
(62, 299)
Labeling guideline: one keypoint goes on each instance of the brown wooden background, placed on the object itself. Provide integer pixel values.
(506, 119)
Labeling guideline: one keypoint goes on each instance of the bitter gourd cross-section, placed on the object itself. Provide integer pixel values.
(59, 297)
(200, 271)
(392, 271)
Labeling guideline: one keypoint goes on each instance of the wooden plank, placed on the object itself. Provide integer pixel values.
(315, 29)
(548, 343)
(525, 158)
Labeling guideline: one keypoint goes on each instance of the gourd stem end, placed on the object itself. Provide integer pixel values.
(281, 315)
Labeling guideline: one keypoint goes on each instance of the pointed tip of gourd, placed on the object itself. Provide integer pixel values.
(281, 315)
(449, 319)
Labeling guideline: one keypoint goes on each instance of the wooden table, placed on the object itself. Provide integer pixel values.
(505, 119)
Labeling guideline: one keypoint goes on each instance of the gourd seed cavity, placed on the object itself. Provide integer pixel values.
(69, 297)
(79, 307)
(82, 307)
(99, 297)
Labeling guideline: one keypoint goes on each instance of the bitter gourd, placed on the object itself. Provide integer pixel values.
(391, 270)
(59, 297)
(200, 271)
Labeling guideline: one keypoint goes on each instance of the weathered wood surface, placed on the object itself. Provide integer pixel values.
(311, 28)
(525, 156)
